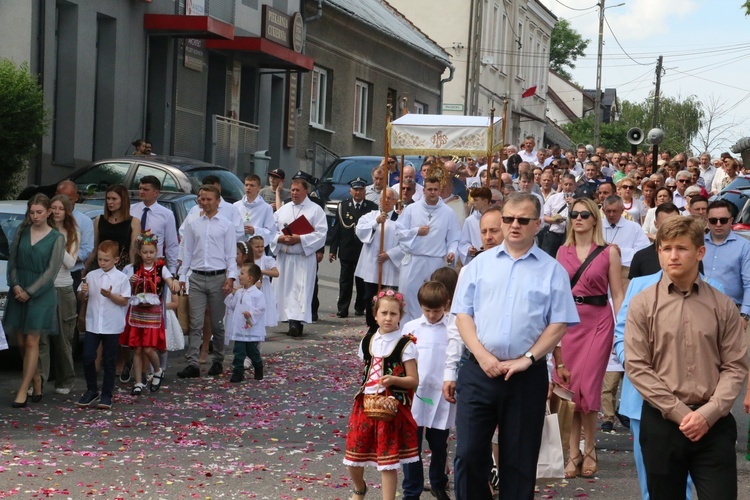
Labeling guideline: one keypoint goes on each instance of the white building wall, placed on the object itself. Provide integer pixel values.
(16, 27)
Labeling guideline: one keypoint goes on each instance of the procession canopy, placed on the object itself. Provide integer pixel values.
(417, 134)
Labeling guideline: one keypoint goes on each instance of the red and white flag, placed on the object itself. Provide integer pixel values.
(529, 91)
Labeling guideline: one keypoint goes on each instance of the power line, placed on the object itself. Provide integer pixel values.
(619, 45)
(573, 8)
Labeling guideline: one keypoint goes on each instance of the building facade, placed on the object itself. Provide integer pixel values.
(500, 49)
(367, 56)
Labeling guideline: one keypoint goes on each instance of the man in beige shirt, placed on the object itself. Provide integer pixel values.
(689, 371)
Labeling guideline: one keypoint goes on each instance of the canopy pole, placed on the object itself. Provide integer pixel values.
(491, 137)
(403, 160)
(383, 192)
(503, 156)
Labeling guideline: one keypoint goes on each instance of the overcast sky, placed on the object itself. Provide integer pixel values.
(705, 44)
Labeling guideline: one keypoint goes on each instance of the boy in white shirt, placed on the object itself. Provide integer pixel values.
(245, 322)
(433, 414)
(107, 290)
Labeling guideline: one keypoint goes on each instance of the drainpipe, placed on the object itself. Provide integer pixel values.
(317, 15)
(41, 37)
(442, 84)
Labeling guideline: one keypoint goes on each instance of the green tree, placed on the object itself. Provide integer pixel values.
(23, 122)
(612, 135)
(566, 45)
(746, 6)
(680, 119)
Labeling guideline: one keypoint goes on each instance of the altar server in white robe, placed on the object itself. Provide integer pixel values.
(256, 214)
(295, 256)
(428, 236)
(470, 242)
(368, 231)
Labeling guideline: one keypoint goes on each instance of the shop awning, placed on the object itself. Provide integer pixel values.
(268, 53)
(187, 26)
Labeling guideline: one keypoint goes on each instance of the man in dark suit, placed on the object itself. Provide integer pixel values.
(346, 246)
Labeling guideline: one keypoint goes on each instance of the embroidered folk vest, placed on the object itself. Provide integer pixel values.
(392, 362)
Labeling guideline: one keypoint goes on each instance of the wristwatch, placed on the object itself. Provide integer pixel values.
(530, 356)
(744, 316)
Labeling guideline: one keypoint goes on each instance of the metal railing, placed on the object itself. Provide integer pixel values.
(234, 143)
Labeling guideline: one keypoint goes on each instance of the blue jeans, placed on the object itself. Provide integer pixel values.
(110, 346)
(414, 473)
(243, 350)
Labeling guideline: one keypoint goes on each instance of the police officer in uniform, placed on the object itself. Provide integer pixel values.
(346, 246)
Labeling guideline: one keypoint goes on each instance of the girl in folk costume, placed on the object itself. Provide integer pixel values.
(144, 329)
(268, 269)
(391, 368)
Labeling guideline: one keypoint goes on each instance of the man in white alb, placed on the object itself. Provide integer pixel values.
(256, 214)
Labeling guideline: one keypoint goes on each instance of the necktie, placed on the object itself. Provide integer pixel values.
(613, 225)
(356, 207)
(143, 219)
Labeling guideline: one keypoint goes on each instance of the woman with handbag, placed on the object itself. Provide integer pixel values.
(594, 269)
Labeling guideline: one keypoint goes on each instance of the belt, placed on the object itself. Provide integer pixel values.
(210, 273)
(594, 300)
(542, 361)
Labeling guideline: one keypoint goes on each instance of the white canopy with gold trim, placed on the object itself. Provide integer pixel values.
(417, 134)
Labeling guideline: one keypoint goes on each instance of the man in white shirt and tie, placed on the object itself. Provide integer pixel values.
(210, 253)
(158, 218)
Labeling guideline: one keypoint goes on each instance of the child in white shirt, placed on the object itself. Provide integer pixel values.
(107, 291)
(245, 323)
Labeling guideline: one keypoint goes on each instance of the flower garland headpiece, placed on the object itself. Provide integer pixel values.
(148, 238)
(391, 294)
(244, 245)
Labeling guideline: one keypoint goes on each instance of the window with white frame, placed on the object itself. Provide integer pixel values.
(318, 96)
(519, 68)
(420, 108)
(361, 107)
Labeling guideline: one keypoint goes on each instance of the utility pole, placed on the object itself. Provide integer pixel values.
(659, 62)
(654, 123)
(598, 95)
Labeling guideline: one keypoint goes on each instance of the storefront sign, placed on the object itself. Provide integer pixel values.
(195, 49)
(453, 107)
(291, 109)
(298, 32)
(276, 26)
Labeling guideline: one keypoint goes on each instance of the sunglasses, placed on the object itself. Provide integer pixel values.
(714, 220)
(585, 214)
(494, 201)
(524, 221)
(671, 186)
(628, 186)
(623, 164)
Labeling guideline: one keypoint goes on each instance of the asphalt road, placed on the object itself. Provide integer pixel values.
(281, 438)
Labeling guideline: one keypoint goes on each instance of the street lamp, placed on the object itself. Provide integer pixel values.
(598, 94)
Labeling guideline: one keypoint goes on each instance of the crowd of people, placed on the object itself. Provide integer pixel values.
(503, 278)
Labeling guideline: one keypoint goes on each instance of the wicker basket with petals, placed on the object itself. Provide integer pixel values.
(380, 406)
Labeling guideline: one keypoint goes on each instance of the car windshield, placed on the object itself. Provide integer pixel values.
(9, 224)
(232, 188)
(349, 169)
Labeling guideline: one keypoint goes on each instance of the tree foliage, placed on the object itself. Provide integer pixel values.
(23, 122)
(746, 7)
(566, 46)
(681, 119)
(611, 135)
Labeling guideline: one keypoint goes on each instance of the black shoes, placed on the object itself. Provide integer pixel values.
(189, 371)
(440, 494)
(295, 328)
(359, 313)
(342, 314)
(258, 372)
(625, 421)
(216, 369)
(237, 376)
(125, 375)
(608, 427)
(105, 403)
(88, 399)
(22, 404)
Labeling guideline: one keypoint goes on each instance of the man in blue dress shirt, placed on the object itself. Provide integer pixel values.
(727, 258)
(512, 307)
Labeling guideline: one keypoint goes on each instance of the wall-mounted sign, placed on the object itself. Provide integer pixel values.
(276, 25)
(453, 107)
(195, 49)
(298, 32)
(291, 109)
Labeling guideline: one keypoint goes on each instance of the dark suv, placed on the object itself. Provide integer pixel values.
(178, 174)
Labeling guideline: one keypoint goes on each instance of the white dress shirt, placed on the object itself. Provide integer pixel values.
(229, 212)
(529, 157)
(708, 176)
(210, 245)
(557, 204)
(102, 315)
(161, 222)
(627, 235)
(258, 214)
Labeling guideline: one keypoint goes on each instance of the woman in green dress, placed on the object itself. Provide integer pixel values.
(35, 259)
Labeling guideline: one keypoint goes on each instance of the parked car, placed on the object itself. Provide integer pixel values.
(12, 214)
(736, 192)
(179, 203)
(176, 174)
(333, 186)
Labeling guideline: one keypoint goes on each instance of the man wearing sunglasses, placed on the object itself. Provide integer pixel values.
(727, 257)
(683, 179)
(509, 323)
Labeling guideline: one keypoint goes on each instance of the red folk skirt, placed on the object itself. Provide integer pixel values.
(386, 445)
(144, 336)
